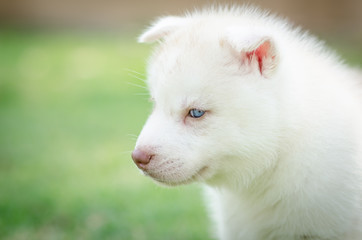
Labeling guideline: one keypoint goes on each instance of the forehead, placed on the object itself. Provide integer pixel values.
(184, 64)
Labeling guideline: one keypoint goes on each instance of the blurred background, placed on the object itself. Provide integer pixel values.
(72, 101)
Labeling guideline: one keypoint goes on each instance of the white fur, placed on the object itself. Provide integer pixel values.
(279, 150)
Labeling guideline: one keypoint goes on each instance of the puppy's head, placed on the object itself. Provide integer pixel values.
(214, 115)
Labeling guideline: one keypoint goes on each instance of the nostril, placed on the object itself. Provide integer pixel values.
(141, 158)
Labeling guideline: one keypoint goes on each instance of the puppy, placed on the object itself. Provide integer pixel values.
(264, 115)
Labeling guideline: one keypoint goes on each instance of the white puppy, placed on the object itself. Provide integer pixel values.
(263, 114)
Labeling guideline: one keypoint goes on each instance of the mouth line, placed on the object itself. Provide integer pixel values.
(190, 179)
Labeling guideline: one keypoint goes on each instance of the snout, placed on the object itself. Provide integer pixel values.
(167, 170)
(141, 158)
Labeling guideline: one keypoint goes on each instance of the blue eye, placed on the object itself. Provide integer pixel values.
(196, 113)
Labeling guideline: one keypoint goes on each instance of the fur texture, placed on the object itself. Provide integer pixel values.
(279, 147)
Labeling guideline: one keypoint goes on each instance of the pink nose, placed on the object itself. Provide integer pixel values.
(141, 158)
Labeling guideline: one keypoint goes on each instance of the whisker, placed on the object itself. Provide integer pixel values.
(136, 85)
(137, 77)
(132, 135)
(133, 71)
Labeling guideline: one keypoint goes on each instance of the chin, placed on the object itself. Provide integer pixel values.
(181, 177)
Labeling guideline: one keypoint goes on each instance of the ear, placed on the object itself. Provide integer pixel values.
(255, 51)
(161, 28)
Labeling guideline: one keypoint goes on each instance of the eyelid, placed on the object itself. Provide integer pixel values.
(199, 109)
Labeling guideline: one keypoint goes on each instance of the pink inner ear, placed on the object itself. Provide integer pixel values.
(260, 54)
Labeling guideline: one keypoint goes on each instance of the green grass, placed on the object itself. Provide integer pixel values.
(67, 123)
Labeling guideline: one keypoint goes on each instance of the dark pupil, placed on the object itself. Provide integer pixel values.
(196, 113)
